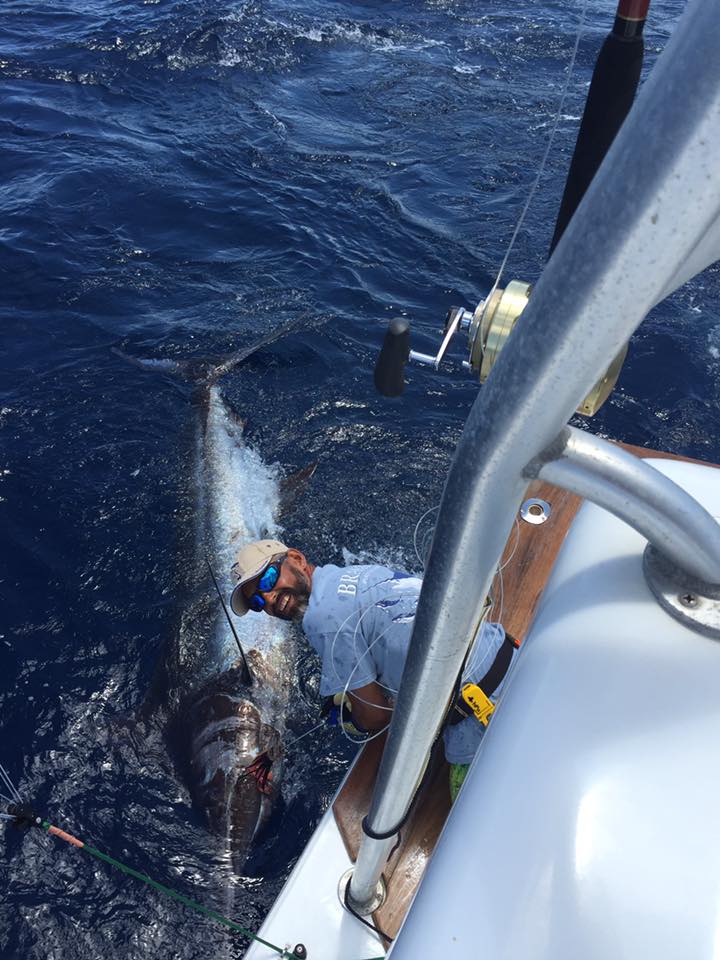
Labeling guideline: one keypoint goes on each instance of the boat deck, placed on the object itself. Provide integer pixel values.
(533, 549)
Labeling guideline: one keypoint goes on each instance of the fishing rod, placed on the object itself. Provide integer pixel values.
(247, 675)
(612, 91)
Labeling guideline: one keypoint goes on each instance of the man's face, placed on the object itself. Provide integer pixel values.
(288, 599)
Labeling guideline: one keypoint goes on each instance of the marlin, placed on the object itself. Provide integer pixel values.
(231, 720)
(228, 689)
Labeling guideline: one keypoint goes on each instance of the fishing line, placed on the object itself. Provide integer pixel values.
(337, 634)
(247, 675)
(311, 730)
(470, 670)
(421, 560)
(366, 702)
(352, 672)
(553, 130)
(9, 784)
(498, 570)
(514, 549)
(487, 611)
(501, 579)
(385, 686)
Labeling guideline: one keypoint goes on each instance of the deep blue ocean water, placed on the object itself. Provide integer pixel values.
(179, 179)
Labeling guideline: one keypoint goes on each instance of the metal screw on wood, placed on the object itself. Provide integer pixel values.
(688, 600)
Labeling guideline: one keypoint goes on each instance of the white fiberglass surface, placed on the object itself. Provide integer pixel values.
(588, 824)
(308, 909)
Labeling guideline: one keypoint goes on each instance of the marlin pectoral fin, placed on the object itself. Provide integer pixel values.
(195, 371)
(293, 487)
(208, 370)
(283, 330)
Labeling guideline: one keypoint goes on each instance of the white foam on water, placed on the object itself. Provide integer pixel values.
(354, 33)
(713, 340)
(245, 487)
(467, 68)
(242, 495)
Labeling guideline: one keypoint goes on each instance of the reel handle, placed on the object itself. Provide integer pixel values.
(390, 366)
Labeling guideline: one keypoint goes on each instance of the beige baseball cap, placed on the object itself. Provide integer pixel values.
(250, 563)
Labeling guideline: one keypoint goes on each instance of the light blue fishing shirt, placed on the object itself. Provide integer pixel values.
(359, 621)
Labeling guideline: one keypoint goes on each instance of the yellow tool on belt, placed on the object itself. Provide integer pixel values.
(474, 698)
(480, 704)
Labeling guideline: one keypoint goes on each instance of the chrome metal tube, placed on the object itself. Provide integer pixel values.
(650, 204)
(631, 489)
(367, 873)
(424, 358)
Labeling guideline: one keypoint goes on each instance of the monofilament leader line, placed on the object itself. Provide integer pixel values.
(538, 176)
(9, 786)
(25, 817)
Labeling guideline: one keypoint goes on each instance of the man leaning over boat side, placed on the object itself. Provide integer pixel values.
(359, 620)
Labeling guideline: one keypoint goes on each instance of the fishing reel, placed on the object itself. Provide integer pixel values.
(23, 816)
(488, 328)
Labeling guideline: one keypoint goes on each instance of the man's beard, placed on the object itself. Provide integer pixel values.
(300, 608)
(301, 593)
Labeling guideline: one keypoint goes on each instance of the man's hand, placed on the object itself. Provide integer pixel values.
(336, 710)
(358, 712)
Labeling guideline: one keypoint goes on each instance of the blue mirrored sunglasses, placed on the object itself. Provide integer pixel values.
(266, 583)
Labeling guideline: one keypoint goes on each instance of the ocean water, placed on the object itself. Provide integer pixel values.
(183, 179)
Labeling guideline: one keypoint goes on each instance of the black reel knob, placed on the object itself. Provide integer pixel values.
(390, 366)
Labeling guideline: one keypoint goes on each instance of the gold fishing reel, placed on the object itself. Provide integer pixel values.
(488, 329)
(492, 323)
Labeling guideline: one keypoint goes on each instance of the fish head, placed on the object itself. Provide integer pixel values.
(236, 761)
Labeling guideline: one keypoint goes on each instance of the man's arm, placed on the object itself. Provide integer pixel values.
(370, 706)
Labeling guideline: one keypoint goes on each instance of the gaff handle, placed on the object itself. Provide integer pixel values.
(390, 366)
